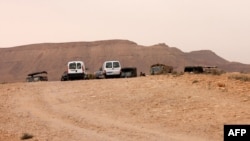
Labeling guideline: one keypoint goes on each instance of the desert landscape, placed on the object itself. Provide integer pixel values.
(17, 62)
(124, 70)
(174, 107)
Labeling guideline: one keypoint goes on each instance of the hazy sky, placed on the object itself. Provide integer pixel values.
(219, 25)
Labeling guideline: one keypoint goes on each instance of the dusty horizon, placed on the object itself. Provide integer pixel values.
(220, 26)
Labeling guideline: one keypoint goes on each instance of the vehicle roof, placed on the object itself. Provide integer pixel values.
(155, 65)
(111, 61)
(36, 73)
(75, 61)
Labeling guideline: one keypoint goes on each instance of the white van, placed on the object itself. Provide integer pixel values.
(111, 69)
(76, 70)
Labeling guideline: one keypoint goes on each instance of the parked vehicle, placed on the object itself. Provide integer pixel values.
(111, 69)
(37, 76)
(194, 69)
(203, 69)
(64, 76)
(129, 72)
(75, 71)
(160, 69)
(99, 74)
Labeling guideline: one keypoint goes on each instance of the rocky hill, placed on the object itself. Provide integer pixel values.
(17, 62)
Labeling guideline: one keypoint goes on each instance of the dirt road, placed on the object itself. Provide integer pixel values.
(152, 108)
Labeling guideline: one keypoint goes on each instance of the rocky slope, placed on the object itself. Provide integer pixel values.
(17, 62)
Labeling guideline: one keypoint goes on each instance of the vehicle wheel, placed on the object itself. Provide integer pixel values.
(105, 76)
(68, 78)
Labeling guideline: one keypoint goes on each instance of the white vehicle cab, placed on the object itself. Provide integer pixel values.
(111, 69)
(76, 70)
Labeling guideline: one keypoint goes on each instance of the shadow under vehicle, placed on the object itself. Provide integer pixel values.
(128, 72)
(37, 76)
(157, 69)
(65, 77)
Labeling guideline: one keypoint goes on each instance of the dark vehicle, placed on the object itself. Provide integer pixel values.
(64, 76)
(203, 69)
(129, 72)
(160, 69)
(194, 69)
(37, 76)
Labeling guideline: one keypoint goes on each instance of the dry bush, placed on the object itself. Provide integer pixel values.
(175, 73)
(241, 77)
(4, 82)
(90, 76)
(215, 72)
(221, 84)
(195, 81)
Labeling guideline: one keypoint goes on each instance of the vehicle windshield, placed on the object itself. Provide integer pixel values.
(109, 65)
(156, 69)
(72, 66)
(79, 66)
(116, 64)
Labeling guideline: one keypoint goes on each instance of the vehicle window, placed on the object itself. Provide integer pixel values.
(116, 64)
(156, 69)
(72, 66)
(79, 66)
(109, 65)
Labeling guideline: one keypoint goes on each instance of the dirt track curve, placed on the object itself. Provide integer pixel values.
(152, 108)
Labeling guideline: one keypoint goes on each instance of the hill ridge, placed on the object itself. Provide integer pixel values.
(17, 62)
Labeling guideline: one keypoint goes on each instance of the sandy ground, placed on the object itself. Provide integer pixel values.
(153, 108)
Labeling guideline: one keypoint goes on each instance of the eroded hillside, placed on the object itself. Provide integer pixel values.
(19, 61)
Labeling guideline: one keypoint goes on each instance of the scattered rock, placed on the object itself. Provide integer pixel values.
(219, 84)
(26, 136)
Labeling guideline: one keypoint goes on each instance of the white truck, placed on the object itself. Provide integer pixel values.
(111, 69)
(75, 71)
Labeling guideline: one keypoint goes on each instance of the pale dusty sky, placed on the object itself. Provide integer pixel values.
(222, 26)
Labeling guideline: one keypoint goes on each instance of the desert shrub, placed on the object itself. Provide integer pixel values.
(195, 81)
(175, 73)
(244, 72)
(217, 72)
(26, 136)
(220, 84)
(90, 76)
(240, 77)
